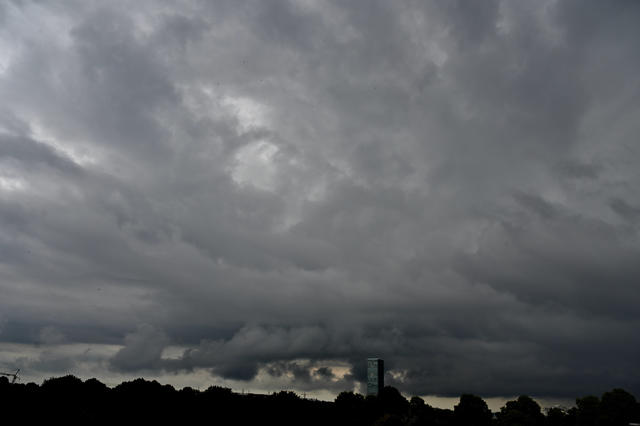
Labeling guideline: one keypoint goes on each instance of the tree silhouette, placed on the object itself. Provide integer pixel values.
(69, 400)
(472, 411)
(588, 411)
(393, 402)
(557, 417)
(420, 413)
(522, 412)
(350, 408)
(617, 408)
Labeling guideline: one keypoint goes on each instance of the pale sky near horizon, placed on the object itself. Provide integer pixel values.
(263, 194)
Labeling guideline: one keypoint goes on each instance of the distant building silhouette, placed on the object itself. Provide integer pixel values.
(375, 375)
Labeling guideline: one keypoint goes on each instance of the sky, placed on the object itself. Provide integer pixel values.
(261, 194)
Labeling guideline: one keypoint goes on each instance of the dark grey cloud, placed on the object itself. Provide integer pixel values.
(278, 190)
(577, 170)
(142, 349)
(622, 208)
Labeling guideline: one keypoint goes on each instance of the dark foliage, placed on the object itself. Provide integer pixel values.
(472, 411)
(617, 408)
(71, 401)
(524, 411)
(588, 411)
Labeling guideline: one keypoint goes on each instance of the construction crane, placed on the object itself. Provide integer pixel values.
(13, 375)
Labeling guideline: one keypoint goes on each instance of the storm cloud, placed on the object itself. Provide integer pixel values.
(279, 189)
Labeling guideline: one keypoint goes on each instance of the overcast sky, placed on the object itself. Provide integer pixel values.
(261, 194)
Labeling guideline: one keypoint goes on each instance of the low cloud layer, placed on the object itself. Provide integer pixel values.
(284, 188)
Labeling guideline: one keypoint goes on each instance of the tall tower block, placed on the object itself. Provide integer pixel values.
(375, 375)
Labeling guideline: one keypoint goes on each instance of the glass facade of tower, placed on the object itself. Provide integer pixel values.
(375, 375)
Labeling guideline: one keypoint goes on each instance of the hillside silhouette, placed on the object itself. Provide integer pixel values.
(70, 400)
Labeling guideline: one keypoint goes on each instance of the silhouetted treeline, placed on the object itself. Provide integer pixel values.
(70, 400)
